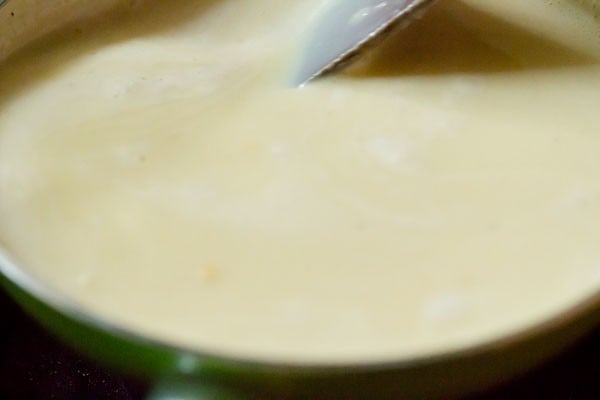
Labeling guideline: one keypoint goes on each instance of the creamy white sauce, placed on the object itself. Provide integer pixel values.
(156, 168)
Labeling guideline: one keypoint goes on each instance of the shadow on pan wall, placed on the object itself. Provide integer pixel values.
(453, 38)
(51, 54)
(456, 38)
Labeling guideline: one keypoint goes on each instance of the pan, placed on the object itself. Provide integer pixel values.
(186, 373)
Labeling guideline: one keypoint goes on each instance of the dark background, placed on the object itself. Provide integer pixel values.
(33, 365)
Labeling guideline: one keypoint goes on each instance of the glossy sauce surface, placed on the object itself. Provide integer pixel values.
(157, 169)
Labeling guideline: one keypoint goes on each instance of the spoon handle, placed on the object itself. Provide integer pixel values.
(348, 27)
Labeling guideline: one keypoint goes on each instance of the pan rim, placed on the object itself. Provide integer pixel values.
(63, 305)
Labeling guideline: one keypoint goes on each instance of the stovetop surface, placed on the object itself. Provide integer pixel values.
(35, 366)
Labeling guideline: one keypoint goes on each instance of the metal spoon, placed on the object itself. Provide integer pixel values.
(348, 28)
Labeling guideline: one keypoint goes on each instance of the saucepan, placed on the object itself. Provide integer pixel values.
(191, 373)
